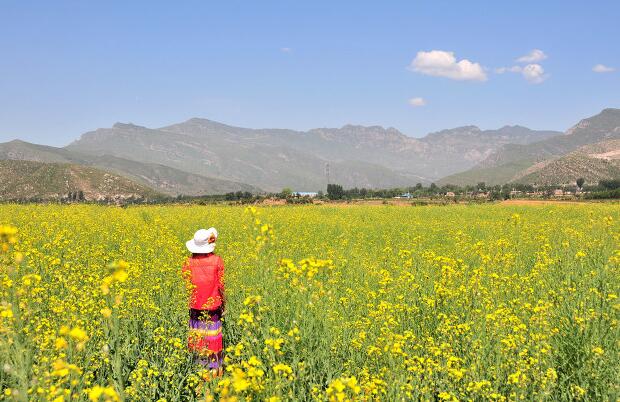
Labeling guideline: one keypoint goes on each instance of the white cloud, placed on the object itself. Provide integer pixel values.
(601, 68)
(286, 49)
(440, 63)
(417, 102)
(513, 69)
(533, 73)
(533, 56)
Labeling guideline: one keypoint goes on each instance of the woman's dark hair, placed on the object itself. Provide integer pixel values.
(199, 254)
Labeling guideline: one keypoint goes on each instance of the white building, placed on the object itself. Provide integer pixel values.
(309, 194)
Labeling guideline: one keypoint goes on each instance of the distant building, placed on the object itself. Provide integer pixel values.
(558, 193)
(405, 195)
(309, 194)
(450, 194)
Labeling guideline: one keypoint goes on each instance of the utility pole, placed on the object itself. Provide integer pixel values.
(327, 172)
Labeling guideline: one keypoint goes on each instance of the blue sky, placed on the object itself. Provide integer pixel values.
(67, 67)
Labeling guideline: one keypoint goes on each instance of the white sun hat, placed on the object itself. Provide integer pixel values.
(203, 241)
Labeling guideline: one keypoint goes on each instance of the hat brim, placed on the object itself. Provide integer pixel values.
(195, 248)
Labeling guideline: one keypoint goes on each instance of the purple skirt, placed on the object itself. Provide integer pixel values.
(205, 337)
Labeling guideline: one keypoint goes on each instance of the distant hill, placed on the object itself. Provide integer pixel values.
(511, 161)
(491, 176)
(600, 161)
(603, 126)
(23, 180)
(160, 178)
(271, 159)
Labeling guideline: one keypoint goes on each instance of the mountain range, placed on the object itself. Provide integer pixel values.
(201, 156)
(271, 159)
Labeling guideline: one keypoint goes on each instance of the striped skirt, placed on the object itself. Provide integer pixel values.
(205, 337)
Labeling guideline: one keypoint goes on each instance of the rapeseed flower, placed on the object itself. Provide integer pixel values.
(463, 302)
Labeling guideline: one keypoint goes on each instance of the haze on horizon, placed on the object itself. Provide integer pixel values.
(69, 67)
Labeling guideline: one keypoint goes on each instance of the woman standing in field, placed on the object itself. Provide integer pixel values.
(204, 271)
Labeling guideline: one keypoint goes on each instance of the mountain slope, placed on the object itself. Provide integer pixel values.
(508, 163)
(491, 176)
(21, 179)
(600, 161)
(169, 180)
(358, 156)
(21, 150)
(601, 127)
(159, 177)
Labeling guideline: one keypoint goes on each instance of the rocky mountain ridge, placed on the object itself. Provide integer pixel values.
(358, 156)
(201, 156)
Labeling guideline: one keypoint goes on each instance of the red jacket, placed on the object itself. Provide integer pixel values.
(205, 274)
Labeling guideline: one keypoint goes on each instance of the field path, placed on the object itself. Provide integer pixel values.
(541, 202)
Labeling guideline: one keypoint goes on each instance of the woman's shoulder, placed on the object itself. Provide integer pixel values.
(209, 259)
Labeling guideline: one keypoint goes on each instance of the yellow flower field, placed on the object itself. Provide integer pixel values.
(334, 303)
